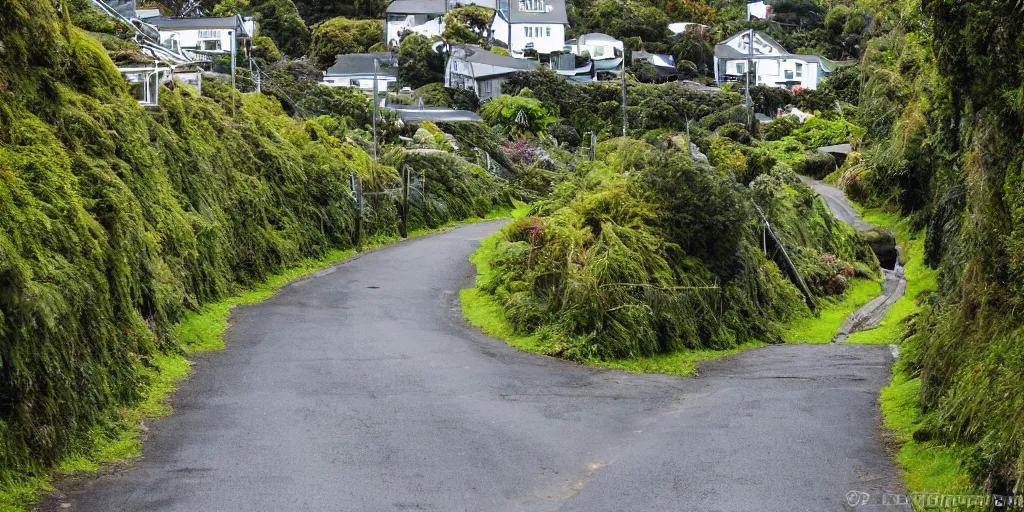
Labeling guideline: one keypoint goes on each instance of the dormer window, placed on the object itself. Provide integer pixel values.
(532, 6)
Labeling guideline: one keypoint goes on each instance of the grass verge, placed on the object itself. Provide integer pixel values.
(813, 330)
(482, 310)
(199, 331)
(927, 466)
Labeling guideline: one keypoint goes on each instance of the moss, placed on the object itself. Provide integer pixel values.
(927, 466)
(118, 222)
(822, 329)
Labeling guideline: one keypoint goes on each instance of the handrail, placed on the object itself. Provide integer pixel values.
(793, 271)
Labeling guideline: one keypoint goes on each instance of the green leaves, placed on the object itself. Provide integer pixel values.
(518, 116)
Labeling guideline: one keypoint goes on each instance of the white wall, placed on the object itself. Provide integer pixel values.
(197, 38)
(543, 43)
(773, 71)
(362, 82)
(418, 23)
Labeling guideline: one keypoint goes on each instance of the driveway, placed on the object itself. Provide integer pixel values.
(361, 389)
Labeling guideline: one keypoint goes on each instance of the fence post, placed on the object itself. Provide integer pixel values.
(357, 194)
(405, 202)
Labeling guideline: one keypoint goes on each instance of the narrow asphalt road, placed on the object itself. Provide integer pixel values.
(894, 282)
(361, 389)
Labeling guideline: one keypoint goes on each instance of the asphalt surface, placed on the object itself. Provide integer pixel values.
(894, 282)
(836, 201)
(361, 389)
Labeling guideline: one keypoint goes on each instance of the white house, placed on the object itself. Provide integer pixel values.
(773, 65)
(357, 70)
(483, 72)
(606, 51)
(530, 24)
(204, 36)
(424, 17)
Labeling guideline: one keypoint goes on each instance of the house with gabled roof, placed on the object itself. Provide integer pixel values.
(360, 70)
(424, 17)
(771, 63)
(605, 51)
(474, 68)
(530, 24)
(204, 36)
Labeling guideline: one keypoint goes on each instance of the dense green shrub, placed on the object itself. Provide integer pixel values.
(779, 128)
(768, 100)
(816, 165)
(818, 131)
(340, 36)
(565, 134)
(518, 116)
(419, 64)
(647, 251)
(735, 131)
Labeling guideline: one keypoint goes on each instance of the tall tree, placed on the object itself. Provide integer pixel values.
(419, 64)
(339, 36)
(280, 21)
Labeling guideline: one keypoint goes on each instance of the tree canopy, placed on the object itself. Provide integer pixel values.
(340, 36)
(418, 63)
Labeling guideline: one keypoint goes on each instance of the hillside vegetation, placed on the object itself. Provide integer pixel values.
(116, 220)
(941, 101)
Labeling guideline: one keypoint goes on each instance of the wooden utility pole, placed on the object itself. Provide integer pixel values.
(405, 202)
(625, 100)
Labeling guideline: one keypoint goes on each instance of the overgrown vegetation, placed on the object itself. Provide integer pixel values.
(647, 252)
(938, 96)
(118, 221)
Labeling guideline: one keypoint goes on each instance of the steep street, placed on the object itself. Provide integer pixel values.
(361, 388)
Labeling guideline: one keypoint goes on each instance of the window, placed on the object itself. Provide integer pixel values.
(211, 46)
(528, 31)
(547, 31)
(799, 70)
(789, 75)
(485, 88)
(741, 68)
(209, 34)
(532, 5)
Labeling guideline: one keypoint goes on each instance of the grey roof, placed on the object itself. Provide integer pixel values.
(416, 7)
(362, 64)
(654, 58)
(227, 22)
(486, 64)
(838, 149)
(597, 37)
(436, 114)
(724, 51)
(554, 13)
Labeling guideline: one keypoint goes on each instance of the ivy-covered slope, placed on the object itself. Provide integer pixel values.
(943, 104)
(114, 220)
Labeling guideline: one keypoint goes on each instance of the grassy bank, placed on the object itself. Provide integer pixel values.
(927, 466)
(482, 310)
(920, 278)
(833, 311)
(199, 331)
